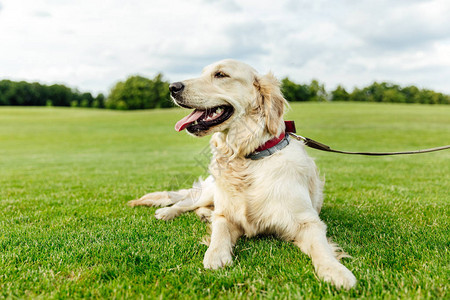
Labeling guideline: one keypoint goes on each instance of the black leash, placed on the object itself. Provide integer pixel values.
(319, 146)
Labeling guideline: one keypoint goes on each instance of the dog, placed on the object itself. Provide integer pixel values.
(250, 191)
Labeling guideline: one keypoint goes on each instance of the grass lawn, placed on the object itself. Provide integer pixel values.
(66, 231)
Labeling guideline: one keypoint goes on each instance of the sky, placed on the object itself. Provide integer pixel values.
(92, 44)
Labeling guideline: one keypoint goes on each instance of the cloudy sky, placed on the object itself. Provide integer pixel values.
(91, 44)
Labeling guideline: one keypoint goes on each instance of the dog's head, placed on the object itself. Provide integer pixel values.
(227, 95)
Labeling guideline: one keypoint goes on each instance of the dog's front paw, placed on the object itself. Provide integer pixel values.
(153, 199)
(166, 213)
(338, 275)
(217, 258)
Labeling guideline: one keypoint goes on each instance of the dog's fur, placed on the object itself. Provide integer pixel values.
(280, 194)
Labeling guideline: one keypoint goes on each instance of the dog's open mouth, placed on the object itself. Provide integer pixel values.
(203, 119)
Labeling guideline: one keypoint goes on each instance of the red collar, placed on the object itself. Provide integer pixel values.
(290, 127)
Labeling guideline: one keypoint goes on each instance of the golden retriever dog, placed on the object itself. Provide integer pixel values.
(250, 190)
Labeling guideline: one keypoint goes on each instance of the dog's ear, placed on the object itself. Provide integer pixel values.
(271, 102)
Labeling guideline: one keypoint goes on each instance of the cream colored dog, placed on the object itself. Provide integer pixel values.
(277, 194)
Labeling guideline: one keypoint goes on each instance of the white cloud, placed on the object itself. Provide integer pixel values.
(92, 44)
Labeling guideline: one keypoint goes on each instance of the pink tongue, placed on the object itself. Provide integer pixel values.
(186, 121)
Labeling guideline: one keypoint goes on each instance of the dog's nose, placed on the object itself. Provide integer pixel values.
(176, 88)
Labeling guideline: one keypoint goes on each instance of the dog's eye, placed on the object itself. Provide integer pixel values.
(220, 74)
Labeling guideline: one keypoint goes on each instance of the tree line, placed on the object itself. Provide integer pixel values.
(138, 92)
(35, 94)
(376, 92)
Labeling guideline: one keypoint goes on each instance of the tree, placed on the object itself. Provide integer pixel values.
(340, 94)
(60, 95)
(161, 90)
(138, 92)
(358, 95)
(86, 100)
(393, 95)
(411, 94)
(288, 89)
(5, 86)
(317, 91)
(99, 101)
(295, 92)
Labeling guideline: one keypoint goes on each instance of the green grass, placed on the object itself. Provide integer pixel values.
(66, 231)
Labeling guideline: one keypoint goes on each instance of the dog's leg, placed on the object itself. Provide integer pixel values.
(312, 240)
(223, 238)
(162, 199)
(201, 195)
(203, 198)
(165, 198)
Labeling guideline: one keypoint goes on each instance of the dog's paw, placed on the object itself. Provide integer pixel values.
(204, 213)
(338, 275)
(153, 199)
(217, 258)
(166, 213)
